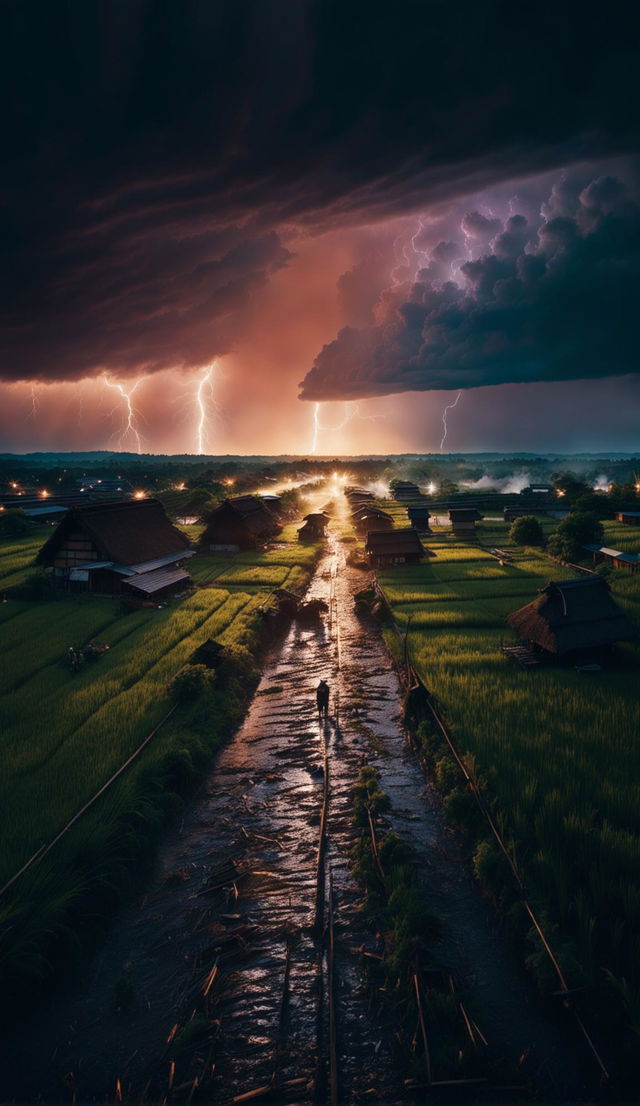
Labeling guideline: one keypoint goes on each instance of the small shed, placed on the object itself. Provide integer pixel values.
(419, 517)
(463, 520)
(244, 522)
(572, 615)
(394, 547)
(601, 554)
(630, 518)
(210, 653)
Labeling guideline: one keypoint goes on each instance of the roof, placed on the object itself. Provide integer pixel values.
(253, 512)
(37, 512)
(149, 566)
(150, 582)
(617, 554)
(125, 531)
(630, 514)
(366, 511)
(319, 516)
(572, 614)
(463, 514)
(394, 541)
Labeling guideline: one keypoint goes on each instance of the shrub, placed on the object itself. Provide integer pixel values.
(526, 531)
(191, 682)
(14, 523)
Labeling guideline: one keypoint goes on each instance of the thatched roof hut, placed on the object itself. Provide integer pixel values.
(572, 614)
(244, 522)
(315, 527)
(118, 546)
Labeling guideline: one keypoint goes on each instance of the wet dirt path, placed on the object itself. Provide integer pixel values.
(227, 929)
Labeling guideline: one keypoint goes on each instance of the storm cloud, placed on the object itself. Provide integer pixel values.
(160, 159)
(547, 300)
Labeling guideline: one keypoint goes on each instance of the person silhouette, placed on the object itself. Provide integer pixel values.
(322, 699)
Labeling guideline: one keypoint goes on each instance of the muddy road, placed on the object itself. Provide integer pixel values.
(222, 971)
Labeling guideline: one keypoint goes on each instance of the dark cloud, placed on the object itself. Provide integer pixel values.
(554, 301)
(477, 226)
(144, 141)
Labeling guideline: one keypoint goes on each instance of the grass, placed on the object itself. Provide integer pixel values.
(63, 735)
(556, 749)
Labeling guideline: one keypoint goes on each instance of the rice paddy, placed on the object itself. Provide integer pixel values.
(62, 735)
(556, 749)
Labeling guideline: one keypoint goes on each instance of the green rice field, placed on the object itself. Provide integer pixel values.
(557, 750)
(62, 735)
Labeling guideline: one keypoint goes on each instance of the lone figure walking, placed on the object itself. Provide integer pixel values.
(322, 699)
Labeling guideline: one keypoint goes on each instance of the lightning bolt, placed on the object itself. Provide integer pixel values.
(449, 407)
(349, 416)
(131, 412)
(205, 385)
(35, 401)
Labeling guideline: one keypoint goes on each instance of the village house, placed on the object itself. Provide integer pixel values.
(394, 547)
(463, 520)
(124, 547)
(315, 527)
(241, 523)
(570, 616)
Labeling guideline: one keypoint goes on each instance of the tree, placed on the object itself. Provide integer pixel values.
(13, 523)
(526, 530)
(574, 532)
(595, 503)
(569, 487)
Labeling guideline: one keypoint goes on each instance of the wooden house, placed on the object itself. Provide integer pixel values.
(125, 547)
(241, 523)
(394, 547)
(463, 520)
(572, 615)
(630, 518)
(315, 527)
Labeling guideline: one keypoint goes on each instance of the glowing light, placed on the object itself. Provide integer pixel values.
(560, 493)
(638, 487)
(180, 487)
(140, 495)
(132, 414)
(44, 494)
(431, 488)
(229, 482)
(205, 387)
(449, 407)
(13, 484)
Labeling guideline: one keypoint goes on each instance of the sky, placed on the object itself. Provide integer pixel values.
(312, 227)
